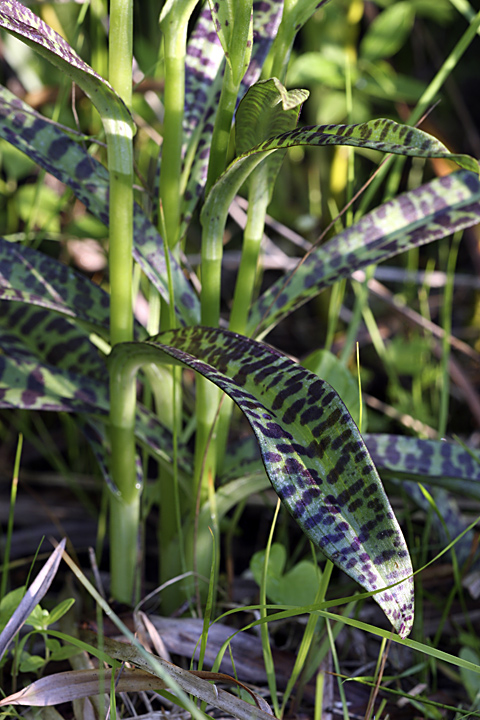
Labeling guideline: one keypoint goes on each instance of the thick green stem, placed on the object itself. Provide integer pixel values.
(283, 43)
(120, 257)
(124, 507)
(213, 220)
(259, 198)
(239, 53)
(174, 27)
(222, 129)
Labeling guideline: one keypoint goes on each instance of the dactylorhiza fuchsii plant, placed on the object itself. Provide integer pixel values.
(69, 346)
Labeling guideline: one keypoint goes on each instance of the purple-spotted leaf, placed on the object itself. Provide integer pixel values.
(44, 361)
(34, 278)
(60, 155)
(430, 212)
(384, 135)
(406, 462)
(313, 453)
(28, 27)
(381, 134)
(437, 462)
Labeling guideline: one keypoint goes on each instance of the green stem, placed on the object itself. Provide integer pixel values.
(238, 53)
(222, 128)
(124, 507)
(259, 198)
(174, 24)
(213, 220)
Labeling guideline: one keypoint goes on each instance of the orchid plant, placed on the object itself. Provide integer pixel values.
(68, 345)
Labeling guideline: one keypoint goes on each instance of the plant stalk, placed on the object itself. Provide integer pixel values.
(173, 23)
(125, 506)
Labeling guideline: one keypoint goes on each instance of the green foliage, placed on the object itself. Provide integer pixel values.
(40, 620)
(297, 586)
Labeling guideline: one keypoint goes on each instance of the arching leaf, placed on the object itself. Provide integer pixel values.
(313, 453)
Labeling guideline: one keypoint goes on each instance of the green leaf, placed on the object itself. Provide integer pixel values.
(267, 109)
(298, 586)
(9, 603)
(427, 213)
(470, 680)
(60, 610)
(38, 618)
(314, 455)
(233, 23)
(31, 663)
(40, 204)
(388, 32)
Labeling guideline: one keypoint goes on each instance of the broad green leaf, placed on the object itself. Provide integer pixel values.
(471, 680)
(388, 32)
(267, 109)
(39, 206)
(118, 123)
(61, 156)
(427, 213)
(314, 455)
(298, 586)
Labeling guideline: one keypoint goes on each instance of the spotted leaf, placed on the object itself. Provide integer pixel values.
(314, 455)
(420, 216)
(60, 155)
(28, 27)
(445, 469)
(440, 463)
(34, 278)
(381, 134)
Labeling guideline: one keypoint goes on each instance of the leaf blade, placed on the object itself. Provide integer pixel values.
(305, 432)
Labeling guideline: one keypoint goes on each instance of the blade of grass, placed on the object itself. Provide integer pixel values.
(11, 514)
(267, 650)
